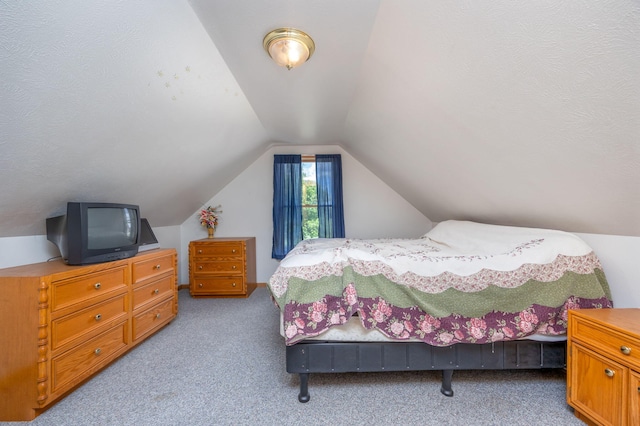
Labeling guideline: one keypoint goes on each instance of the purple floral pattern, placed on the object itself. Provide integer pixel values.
(307, 320)
(393, 284)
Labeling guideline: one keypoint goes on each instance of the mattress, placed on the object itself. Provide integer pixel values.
(462, 282)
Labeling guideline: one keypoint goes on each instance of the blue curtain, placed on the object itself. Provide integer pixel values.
(330, 206)
(287, 204)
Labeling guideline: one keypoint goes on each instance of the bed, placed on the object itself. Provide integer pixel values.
(465, 295)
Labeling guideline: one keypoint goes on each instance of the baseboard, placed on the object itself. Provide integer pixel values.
(186, 286)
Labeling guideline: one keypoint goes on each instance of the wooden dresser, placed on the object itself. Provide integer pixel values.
(222, 267)
(61, 324)
(603, 368)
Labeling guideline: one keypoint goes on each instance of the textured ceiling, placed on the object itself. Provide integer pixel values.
(521, 113)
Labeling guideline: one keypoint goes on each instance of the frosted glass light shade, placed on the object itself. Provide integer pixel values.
(288, 47)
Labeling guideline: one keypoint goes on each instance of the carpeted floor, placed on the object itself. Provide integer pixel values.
(221, 362)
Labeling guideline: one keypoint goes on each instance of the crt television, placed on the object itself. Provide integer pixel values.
(95, 232)
(148, 240)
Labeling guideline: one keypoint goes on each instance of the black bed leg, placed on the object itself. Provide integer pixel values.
(446, 383)
(304, 396)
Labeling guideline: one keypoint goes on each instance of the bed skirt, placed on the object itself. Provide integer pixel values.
(308, 357)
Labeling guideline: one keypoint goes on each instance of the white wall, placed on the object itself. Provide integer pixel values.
(620, 259)
(15, 251)
(371, 208)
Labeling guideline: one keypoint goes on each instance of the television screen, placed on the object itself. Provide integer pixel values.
(109, 227)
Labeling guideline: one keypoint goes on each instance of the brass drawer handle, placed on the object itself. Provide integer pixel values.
(97, 286)
(156, 291)
(156, 267)
(233, 285)
(98, 317)
(97, 351)
(233, 267)
(200, 267)
(233, 251)
(625, 350)
(200, 285)
(158, 315)
(199, 251)
(609, 372)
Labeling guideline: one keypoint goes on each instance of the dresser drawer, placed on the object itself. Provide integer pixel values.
(226, 267)
(154, 291)
(222, 285)
(225, 250)
(69, 367)
(623, 347)
(70, 327)
(65, 293)
(153, 318)
(143, 269)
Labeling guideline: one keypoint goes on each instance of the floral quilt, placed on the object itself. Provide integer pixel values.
(462, 282)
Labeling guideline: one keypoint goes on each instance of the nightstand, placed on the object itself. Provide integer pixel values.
(603, 368)
(222, 267)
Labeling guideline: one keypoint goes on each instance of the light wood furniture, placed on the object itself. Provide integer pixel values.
(61, 324)
(603, 369)
(222, 267)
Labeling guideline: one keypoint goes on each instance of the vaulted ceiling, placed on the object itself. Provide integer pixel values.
(508, 112)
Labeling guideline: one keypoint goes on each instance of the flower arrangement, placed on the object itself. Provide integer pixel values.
(209, 216)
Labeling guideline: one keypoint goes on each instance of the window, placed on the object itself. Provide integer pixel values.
(310, 221)
(307, 200)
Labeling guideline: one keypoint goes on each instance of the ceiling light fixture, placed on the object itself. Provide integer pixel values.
(288, 47)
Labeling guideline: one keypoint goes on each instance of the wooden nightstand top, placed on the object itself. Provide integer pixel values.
(624, 319)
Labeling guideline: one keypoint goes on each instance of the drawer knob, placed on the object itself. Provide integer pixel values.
(156, 267)
(625, 350)
(200, 285)
(156, 291)
(233, 267)
(97, 286)
(200, 267)
(97, 351)
(98, 317)
(233, 285)
(199, 251)
(158, 315)
(233, 251)
(609, 372)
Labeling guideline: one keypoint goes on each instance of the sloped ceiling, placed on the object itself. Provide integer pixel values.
(519, 113)
(119, 102)
(515, 113)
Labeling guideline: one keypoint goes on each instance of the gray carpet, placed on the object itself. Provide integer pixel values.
(221, 362)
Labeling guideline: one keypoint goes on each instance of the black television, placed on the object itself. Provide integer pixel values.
(95, 232)
(148, 240)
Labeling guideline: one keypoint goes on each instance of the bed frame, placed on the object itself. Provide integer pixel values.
(310, 356)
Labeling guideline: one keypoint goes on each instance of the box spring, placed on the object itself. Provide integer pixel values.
(308, 357)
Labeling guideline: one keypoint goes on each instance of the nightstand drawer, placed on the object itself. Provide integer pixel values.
(224, 250)
(624, 347)
(223, 285)
(226, 267)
